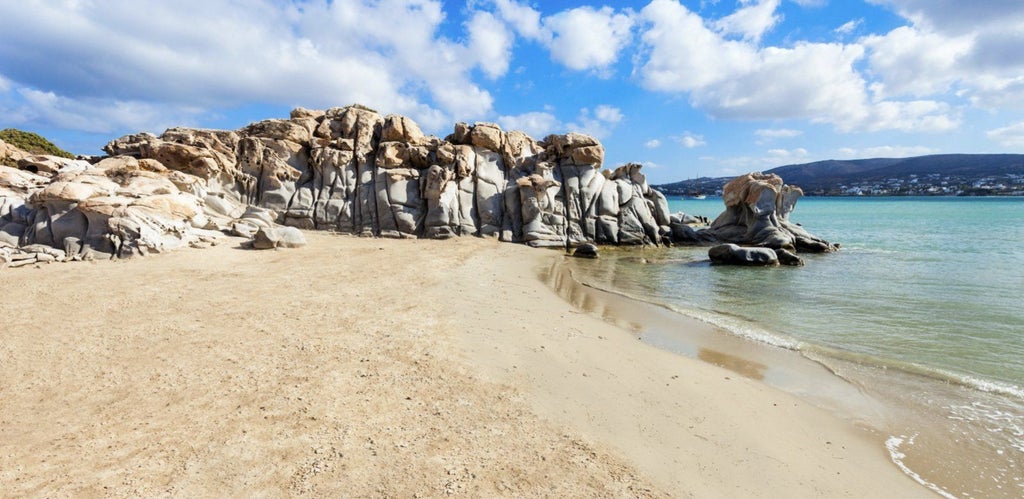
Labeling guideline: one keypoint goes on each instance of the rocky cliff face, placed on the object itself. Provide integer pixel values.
(351, 170)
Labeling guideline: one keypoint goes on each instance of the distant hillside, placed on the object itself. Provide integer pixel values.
(943, 174)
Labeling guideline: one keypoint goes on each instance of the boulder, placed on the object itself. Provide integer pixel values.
(789, 258)
(278, 237)
(586, 250)
(486, 135)
(731, 254)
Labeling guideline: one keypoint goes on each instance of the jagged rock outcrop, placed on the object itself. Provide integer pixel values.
(351, 170)
(757, 208)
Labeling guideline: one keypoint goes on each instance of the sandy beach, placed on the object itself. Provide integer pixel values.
(382, 368)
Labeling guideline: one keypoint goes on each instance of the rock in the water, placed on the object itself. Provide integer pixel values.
(757, 208)
(586, 250)
(731, 254)
(789, 258)
(278, 237)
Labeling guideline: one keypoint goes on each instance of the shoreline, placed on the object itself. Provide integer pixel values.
(379, 367)
(934, 428)
(649, 389)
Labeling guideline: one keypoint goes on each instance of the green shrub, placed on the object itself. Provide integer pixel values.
(32, 143)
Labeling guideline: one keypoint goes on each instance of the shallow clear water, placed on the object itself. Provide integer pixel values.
(926, 287)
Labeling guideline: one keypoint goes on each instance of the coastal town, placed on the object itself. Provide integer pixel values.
(932, 184)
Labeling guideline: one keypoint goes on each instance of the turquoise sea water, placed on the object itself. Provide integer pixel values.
(923, 304)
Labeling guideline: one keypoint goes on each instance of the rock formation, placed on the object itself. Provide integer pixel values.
(757, 208)
(351, 170)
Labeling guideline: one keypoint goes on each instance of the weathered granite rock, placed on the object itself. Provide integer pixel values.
(757, 214)
(731, 254)
(789, 258)
(351, 170)
(541, 225)
(278, 237)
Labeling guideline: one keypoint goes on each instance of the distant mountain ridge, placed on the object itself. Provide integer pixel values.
(939, 174)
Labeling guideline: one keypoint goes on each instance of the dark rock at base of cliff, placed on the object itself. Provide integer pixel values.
(586, 250)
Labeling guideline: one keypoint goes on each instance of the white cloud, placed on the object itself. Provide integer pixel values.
(922, 116)
(1008, 136)
(734, 79)
(95, 116)
(751, 21)
(787, 155)
(523, 18)
(490, 43)
(912, 62)
(968, 49)
(883, 152)
(598, 123)
(587, 38)
(810, 3)
(957, 16)
(778, 133)
(582, 38)
(849, 26)
(536, 124)
(608, 114)
(652, 144)
(994, 92)
(194, 54)
(690, 140)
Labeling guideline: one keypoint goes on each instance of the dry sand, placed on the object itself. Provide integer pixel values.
(358, 367)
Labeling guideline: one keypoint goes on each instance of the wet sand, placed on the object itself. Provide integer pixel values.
(361, 367)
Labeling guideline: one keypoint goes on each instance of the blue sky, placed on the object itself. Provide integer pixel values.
(692, 87)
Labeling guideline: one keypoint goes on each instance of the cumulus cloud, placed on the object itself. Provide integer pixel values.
(735, 79)
(969, 49)
(582, 38)
(690, 140)
(912, 62)
(652, 144)
(587, 38)
(490, 44)
(957, 16)
(205, 54)
(1008, 136)
(523, 18)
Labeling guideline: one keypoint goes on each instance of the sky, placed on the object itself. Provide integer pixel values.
(687, 88)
